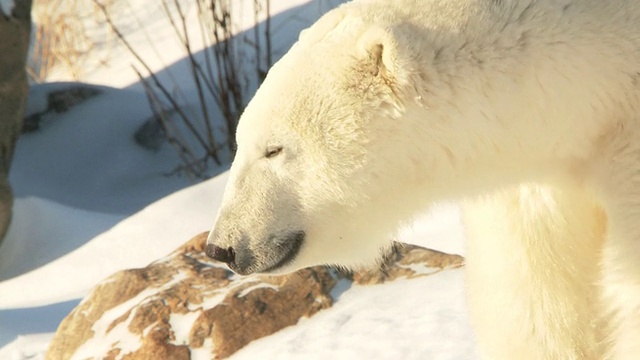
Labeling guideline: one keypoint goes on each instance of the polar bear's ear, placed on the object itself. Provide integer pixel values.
(322, 27)
(378, 45)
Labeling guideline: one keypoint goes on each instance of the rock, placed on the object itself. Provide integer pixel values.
(187, 303)
(150, 135)
(58, 100)
(31, 123)
(64, 99)
(408, 261)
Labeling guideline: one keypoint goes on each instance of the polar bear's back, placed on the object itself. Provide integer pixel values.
(484, 22)
(460, 14)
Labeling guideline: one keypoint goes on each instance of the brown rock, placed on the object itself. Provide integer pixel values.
(408, 261)
(157, 345)
(64, 99)
(77, 325)
(59, 101)
(186, 302)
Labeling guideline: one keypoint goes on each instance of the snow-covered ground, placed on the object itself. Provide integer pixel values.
(90, 201)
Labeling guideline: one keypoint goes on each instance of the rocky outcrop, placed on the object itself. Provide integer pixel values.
(408, 261)
(186, 303)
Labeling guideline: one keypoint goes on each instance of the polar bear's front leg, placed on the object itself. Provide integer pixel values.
(621, 283)
(532, 263)
(617, 183)
(621, 278)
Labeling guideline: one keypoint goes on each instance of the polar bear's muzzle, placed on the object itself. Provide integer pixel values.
(276, 253)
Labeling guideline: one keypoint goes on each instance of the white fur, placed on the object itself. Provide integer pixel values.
(528, 111)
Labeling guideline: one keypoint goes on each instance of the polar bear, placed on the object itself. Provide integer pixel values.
(527, 112)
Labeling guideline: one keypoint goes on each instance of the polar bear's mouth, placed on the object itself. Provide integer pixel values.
(288, 250)
(278, 252)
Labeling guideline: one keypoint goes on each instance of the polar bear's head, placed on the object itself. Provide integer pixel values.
(315, 173)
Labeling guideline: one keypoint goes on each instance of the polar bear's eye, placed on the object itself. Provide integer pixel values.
(272, 151)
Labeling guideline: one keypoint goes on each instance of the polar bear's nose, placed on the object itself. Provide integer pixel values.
(220, 254)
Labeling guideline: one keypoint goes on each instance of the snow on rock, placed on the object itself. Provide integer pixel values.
(181, 325)
(138, 312)
(409, 261)
(186, 302)
(409, 319)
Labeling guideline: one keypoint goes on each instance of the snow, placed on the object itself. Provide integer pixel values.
(90, 149)
(6, 6)
(52, 230)
(204, 352)
(246, 291)
(181, 325)
(90, 202)
(30, 347)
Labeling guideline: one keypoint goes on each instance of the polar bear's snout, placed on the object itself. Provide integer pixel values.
(269, 255)
(226, 256)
